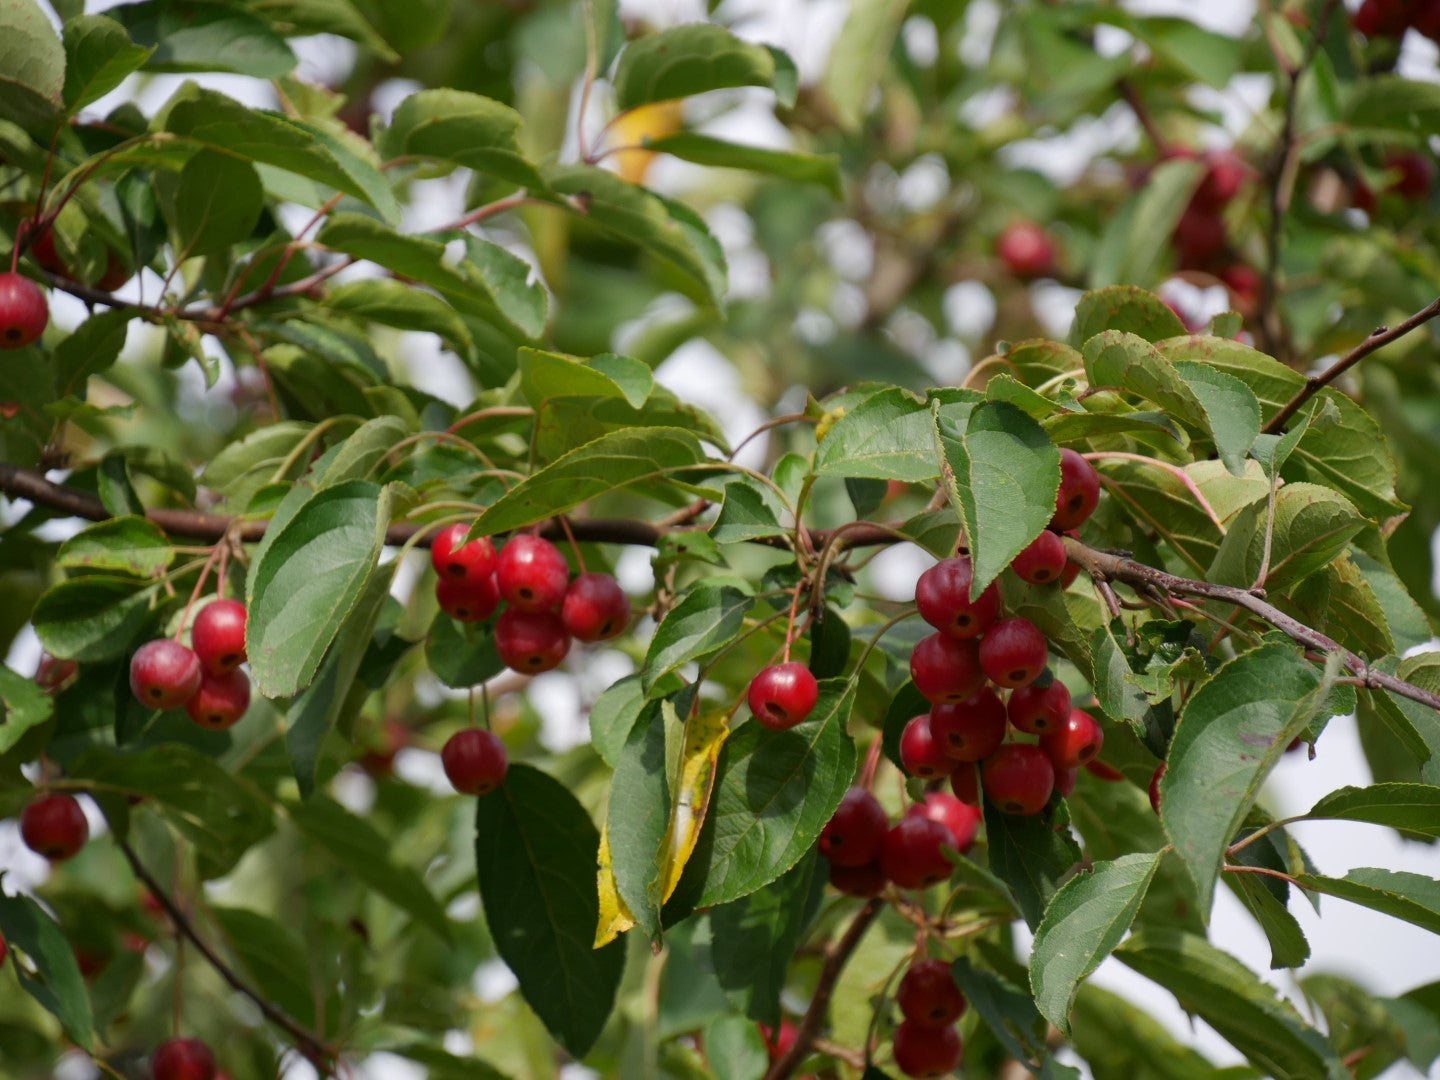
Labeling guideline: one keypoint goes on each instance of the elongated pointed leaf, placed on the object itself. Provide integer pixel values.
(1410, 808)
(707, 618)
(467, 129)
(1084, 921)
(546, 375)
(536, 850)
(638, 821)
(98, 56)
(1031, 856)
(128, 545)
(1398, 893)
(92, 618)
(889, 436)
(686, 60)
(791, 165)
(1288, 947)
(1231, 410)
(1003, 475)
(56, 982)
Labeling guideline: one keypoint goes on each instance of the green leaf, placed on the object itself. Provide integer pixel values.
(93, 347)
(708, 618)
(890, 436)
(1123, 307)
(466, 129)
(307, 579)
(219, 123)
(1226, 995)
(536, 851)
(1031, 856)
(98, 56)
(1199, 53)
(546, 375)
(755, 938)
(363, 853)
(1083, 923)
(222, 815)
(56, 982)
(615, 460)
(823, 170)
(616, 711)
(669, 230)
(1007, 1011)
(32, 65)
(774, 792)
(218, 202)
(685, 60)
(274, 956)
(206, 37)
(94, 617)
(1312, 527)
(340, 17)
(638, 819)
(357, 455)
(259, 453)
(1120, 1041)
(393, 303)
(1137, 239)
(860, 57)
(462, 655)
(1118, 359)
(23, 705)
(1231, 734)
(1231, 409)
(751, 510)
(1003, 475)
(1288, 947)
(487, 282)
(734, 1049)
(125, 545)
(1410, 808)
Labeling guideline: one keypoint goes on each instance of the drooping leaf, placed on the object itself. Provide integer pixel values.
(1011, 1016)
(1288, 947)
(751, 511)
(689, 59)
(56, 982)
(1410, 808)
(92, 618)
(1031, 856)
(637, 824)
(1397, 893)
(1083, 922)
(32, 67)
(218, 202)
(210, 37)
(98, 56)
(23, 705)
(467, 129)
(1231, 409)
(536, 850)
(787, 164)
(462, 655)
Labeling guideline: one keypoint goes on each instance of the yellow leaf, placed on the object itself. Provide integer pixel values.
(632, 130)
(705, 733)
(615, 917)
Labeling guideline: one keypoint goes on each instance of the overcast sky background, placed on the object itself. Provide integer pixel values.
(1384, 954)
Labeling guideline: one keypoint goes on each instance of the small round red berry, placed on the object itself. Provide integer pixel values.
(922, 1051)
(1155, 779)
(221, 700)
(927, 994)
(182, 1059)
(377, 753)
(595, 608)
(1079, 491)
(1042, 561)
(532, 574)
(913, 855)
(942, 594)
(530, 641)
(54, 826)
(453, 557)
(164, 674)
(1027, 249)
(1019, 778)
(218, 636)
(1075, 742)
(965, 783)
(475, 761)
(778, 1043)
(962, 820)
(782, 695)
(854, 833)
(921, 754)
(1037, 709)
(54, 675)
(1199, 237)
(1415, 174)
(1225, 175)
(23, 311)
(1013, 652)
(867, 880)
(46, 255)
(945, 669)
(467, 599)
(970, 730)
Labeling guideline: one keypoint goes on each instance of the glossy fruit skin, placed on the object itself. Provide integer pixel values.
(921, 754)
(531, 641)
(1065, 781)
(595, 608)
(467, 599)
(1155, 779)
(1075, 742)
(854, 833)
(922, 1051)
(782, 695)
(182, 1059)
(1042, 561)
(1037, 709)
(1019, 778)
(452, 557)
(965, 783)
(532, 574)
(960, 819)
(164, 674)
(475, 761)
(1027, 249)
(45, 254)
(913, 855)
(1014, 652)
(1079, 492)
(54, 826)
(218, 636)
(945, 669)
(942, 595)
(928, 996)
(23, 311)
(867, 880)
(970, 730)
(220, 701)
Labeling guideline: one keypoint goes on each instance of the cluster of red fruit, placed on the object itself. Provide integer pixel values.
(1391, 18)
(544, 608)
(205, 679)
(1200, 242)
(926, 1042)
